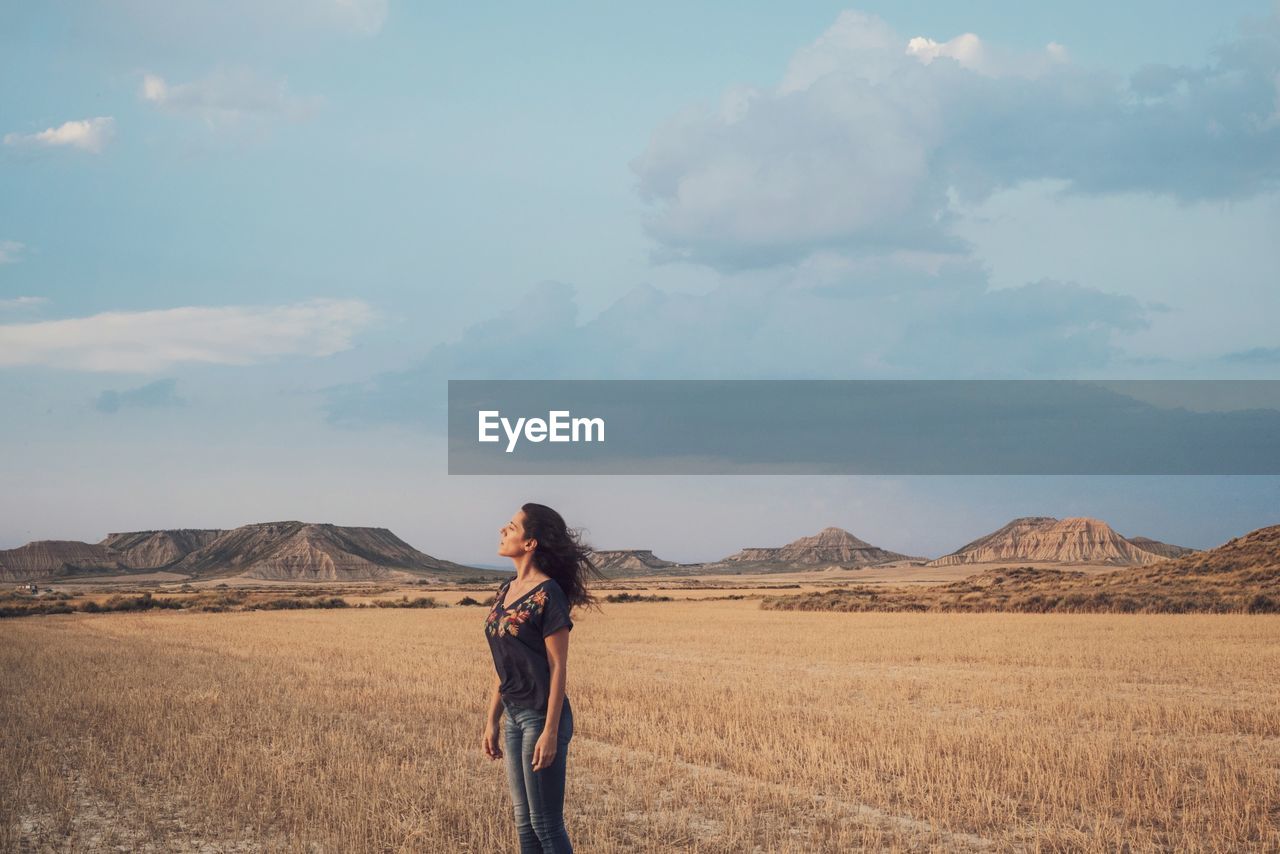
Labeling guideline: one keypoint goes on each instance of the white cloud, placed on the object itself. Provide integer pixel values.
(227, 95)
(87, 134)
(965, 49)
(10, 250)
(864, 47)
(839, 153)
(146, 341)
(973, 54)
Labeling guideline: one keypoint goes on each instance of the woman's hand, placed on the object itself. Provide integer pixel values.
(492, 744)
(544, 751)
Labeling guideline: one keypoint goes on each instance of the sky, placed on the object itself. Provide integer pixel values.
(243, 246)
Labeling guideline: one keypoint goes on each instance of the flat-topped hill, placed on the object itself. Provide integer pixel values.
(829, 547)
(1044, 539)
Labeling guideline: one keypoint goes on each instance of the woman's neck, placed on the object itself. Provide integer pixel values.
(525, 570)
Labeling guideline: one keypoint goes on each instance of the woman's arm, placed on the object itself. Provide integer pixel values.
(558, 660)
(490, 740)
(495, 703)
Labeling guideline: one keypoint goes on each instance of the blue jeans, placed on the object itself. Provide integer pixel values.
(537, 796)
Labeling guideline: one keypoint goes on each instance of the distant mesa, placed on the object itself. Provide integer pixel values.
(617, 562)
(301, 551)
(285, 551)
(1044, 539)
(829, 547)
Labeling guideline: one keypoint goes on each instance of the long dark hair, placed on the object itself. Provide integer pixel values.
(561, 553)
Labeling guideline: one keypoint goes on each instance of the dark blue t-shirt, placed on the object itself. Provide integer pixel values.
(516, 633)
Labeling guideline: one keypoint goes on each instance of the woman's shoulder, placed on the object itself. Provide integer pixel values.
(556, 589)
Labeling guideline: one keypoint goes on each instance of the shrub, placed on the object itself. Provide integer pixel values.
(281, 605)
(125, 603)
(635, 597)
(1076, 601)
(1261, 603)
(405, 602)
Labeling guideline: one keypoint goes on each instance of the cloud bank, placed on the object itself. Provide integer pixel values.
(870, 136)
(148, 341)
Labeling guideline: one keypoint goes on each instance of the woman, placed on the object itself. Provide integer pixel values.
(528, 633)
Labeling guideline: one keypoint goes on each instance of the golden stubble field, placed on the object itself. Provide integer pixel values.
(700, 726)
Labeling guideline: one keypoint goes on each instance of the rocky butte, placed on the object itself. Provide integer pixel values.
(829, 547)
(618, 562)
(1049, 540)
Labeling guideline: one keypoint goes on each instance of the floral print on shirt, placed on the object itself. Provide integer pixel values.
(501, 623)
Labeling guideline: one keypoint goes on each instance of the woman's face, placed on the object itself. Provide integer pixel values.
(512, 543)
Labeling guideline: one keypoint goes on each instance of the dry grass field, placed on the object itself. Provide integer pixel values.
(710, 726)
